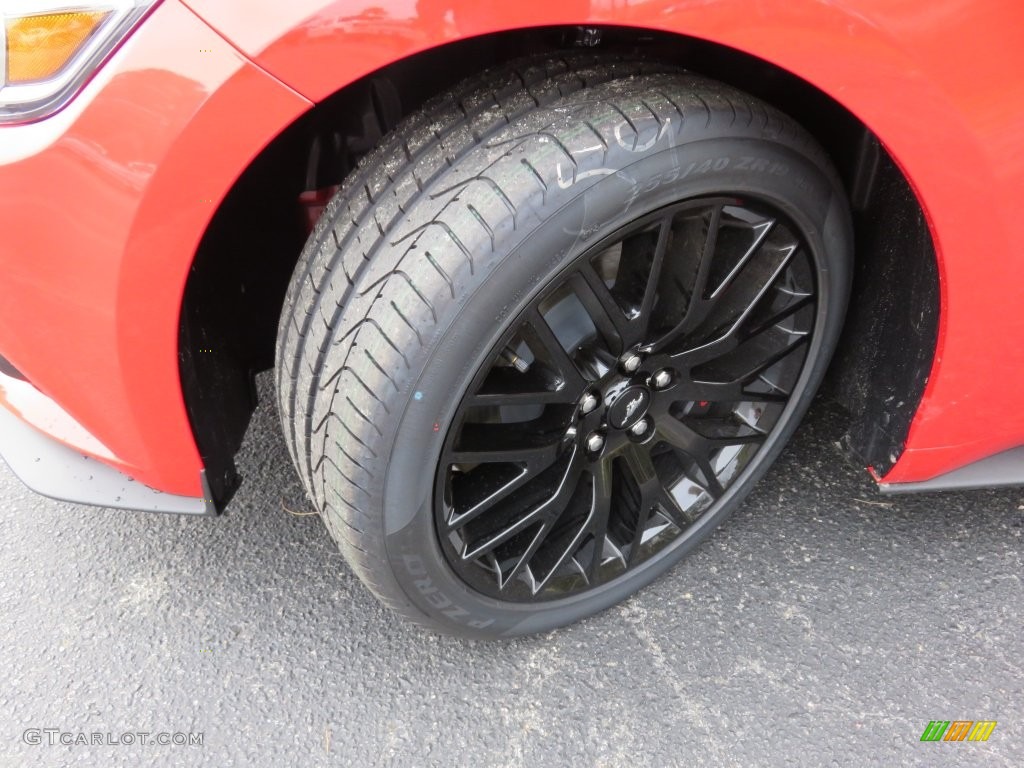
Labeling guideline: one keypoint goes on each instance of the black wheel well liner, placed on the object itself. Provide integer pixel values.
(241, 269)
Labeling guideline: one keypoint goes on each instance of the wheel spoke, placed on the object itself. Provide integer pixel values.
(542, 512)
(782, 315)
(537, 330)
(731, 336)
(482, 443)
(695, 447)
(608, 317)
(678, 435)
(570, 549)
(734, 336)
(731, 392)
(563, 396)
(710, 480)
(524, 559)
(767, 362)
(654, 279)
(532, 461)
(538, 457)
(724, 442)
(638, 459)
(734, 387)
(601, 509)
(699, 308)
(706, 352)
(671, 508)
(761, 231)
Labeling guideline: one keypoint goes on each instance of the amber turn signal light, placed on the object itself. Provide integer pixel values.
(49, 49)
(41, 45)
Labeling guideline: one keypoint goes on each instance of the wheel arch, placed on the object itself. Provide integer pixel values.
(232, 308)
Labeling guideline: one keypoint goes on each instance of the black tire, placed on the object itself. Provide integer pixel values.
(433, 247)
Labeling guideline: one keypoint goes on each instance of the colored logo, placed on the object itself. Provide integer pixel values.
(958, 730)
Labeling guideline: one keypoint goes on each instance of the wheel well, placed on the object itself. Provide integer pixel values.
(241, 269)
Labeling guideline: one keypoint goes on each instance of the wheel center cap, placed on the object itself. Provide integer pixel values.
(629, 407)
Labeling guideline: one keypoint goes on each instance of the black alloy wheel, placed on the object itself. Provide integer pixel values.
(626, 398)
(552, 331)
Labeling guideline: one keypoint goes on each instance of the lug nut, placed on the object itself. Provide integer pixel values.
(588, 403)
(595, 442)
(639, 428)
(661, 379)
(630, 362)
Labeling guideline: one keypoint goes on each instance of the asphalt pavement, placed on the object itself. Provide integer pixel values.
(823, 625)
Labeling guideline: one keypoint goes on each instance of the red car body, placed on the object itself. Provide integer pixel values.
(103, 205)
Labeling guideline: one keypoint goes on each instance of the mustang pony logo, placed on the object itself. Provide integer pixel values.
(632, 405)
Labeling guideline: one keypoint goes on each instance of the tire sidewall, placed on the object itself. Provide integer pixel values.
(753, 168)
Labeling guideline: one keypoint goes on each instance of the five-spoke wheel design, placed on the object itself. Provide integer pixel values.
(626, 399)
